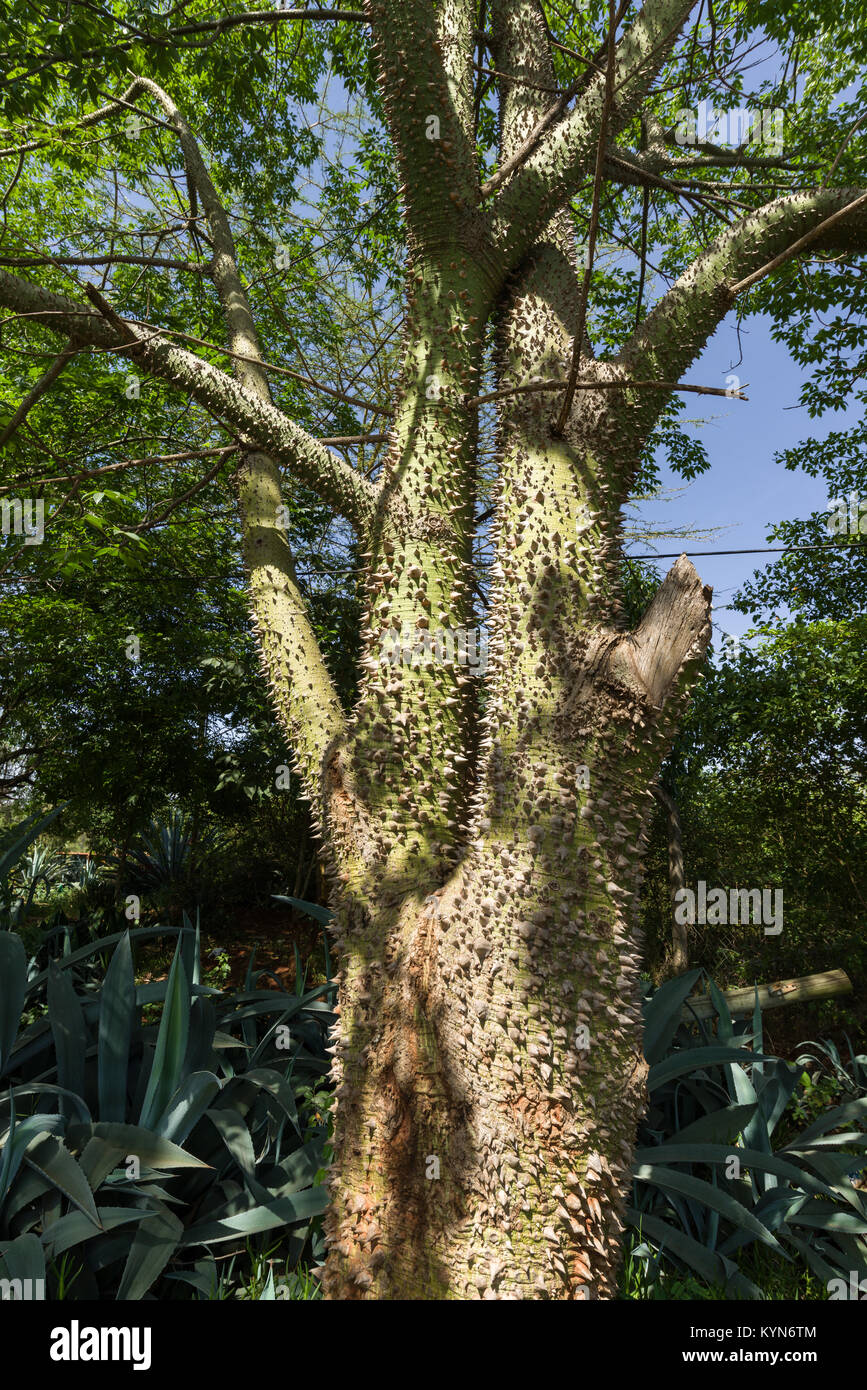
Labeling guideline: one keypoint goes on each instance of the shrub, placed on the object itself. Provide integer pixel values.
(129, 1152)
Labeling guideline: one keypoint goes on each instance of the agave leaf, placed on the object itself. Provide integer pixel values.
(25, 1132)
(679, 1152)
(37, 1088)
(284, 1211)
(13, 975)
(242, 1091)
(187, 947)
(94, 948)
(716, 1126)
(662, 1014)
(8, 1149)
(840, 1115)
(75, 1228)
(322, 914)
(756, 1133)
(187, 1105)
(68, 1030)
(117, 1015)
(24, 1258)
(28, 831)
(831, 1143)
(818, 1264)
(107, 1146)
(692, 1059)
(824, 1216)
(153, 1246)
(203, 1276)
(834, 1168)
(203, 1024)
(167, 1071)
(714, 1268)
(235, 1136)
(268, 1292)
(53, 1161)
(725, 1030)
(295, 1171)
(779, 1086)
(670, 1180)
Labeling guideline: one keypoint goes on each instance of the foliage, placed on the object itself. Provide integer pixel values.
(135, 1150)
(14, 843)
(711, 1175)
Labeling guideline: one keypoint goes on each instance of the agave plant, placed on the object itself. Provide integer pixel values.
(139, 1150)
(15, 843)
(709, 1179)
(166, 854)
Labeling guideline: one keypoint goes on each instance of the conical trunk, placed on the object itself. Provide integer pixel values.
(489, 1062)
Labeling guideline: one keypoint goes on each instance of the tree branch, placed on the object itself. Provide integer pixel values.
(673, 634)
(426, 110)
(43, 384)
(676, 331)
(226, 400)
(556, 163)
(304, 693)
(569, 393)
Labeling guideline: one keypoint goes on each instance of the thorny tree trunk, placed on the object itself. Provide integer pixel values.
(489, 1058)
(482, 838)
(677, 956)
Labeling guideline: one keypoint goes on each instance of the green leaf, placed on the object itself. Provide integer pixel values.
(322, 914)
(13, 986)
(117, 1015)
(109, 1145)
(694, 1059)
(679, 1152)
(171, 1049)
(715, 1269)
(68, 1030)
(669, 1180)
(154, 1244)
(187, 1105)
(286, 1211)
(75, 1228)
(49, 1157)
(717, 1126)
(30, 830)
(24, 1258)
(662, 1013)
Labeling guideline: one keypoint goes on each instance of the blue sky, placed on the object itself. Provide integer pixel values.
(745, 490)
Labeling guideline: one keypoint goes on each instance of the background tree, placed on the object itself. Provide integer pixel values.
(485, 895)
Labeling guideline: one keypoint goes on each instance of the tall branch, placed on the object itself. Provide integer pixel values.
(569, 393)
(304, 692)
(555, 165)
(45, 382)
(426, 112)
(674, 334)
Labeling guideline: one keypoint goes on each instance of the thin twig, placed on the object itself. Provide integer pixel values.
(609, 386)
(569, 395)
(185, 496)
(33, 395)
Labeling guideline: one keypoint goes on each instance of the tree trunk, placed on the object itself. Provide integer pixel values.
(677, 953)
(488, 1059)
